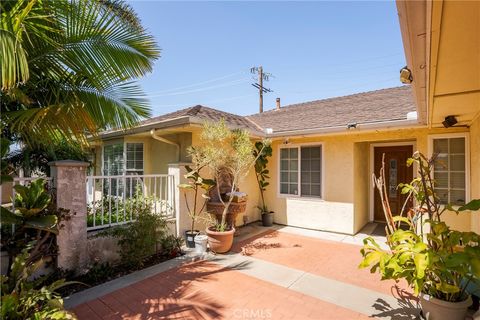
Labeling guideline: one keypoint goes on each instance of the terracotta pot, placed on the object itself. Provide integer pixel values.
(220, 242)
(234, 210)
(436, 309)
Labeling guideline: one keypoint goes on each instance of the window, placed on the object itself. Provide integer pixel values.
(450, 170)
(301, 171)
(113, 159)
(135, 158)
(115, 164)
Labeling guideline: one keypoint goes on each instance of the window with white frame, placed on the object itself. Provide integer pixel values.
(450, 169)
(113, 163)
(135, 158)
(301, 171)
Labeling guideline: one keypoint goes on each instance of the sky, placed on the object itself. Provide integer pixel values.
(313, 50)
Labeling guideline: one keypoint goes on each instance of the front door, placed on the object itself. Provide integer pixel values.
(396, 171)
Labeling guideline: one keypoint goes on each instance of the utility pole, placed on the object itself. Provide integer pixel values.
(261, 89)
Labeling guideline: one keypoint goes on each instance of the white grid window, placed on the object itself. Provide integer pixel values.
(450, 170)
(113, 163)
(301, 171)
(135, 158)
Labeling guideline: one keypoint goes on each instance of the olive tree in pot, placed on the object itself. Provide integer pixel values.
(226, 152)
(438, 262)
(199, 186)
(261, 153)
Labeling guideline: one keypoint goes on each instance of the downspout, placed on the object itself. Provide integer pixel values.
(154, 136)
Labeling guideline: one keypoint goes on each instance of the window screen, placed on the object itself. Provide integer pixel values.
(449, 170)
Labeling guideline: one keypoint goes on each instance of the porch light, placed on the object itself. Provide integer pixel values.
(351, 125)
(268, 130)
(406, 75)
(449, 121)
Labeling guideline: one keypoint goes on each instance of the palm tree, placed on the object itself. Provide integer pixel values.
(68, 68)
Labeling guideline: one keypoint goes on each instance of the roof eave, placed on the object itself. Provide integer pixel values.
(171, 123)
(385, 125)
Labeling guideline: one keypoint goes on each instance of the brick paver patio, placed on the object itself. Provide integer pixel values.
(294, 282)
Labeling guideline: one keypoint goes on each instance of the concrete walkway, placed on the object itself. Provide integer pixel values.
(290, 273)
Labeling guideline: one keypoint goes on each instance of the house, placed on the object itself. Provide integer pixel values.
(324, 155)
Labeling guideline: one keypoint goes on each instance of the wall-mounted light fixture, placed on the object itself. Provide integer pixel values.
(268, 130)
(449, 121)
(352, 125)
(286, 141)
(406, 75)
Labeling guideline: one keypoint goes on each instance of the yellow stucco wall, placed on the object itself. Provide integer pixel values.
(475, 170)
(347, 190)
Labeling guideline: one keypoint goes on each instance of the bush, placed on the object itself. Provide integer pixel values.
(144, 237)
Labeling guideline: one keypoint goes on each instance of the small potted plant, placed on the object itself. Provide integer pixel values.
(261, 153)
(195, 184)
(439, 263)
(226, 153)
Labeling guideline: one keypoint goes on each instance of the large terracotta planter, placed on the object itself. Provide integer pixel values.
(436, 309)
(234, 210)
(220, 242)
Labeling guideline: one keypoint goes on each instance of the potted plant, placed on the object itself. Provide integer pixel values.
(261, 153)
(227, 153)
(195, 184)
(438, 262)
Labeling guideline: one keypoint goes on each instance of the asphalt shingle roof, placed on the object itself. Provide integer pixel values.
(368, 107)
(206, 114)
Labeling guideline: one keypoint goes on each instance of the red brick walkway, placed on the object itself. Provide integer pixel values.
(334, 260)
(204, 290)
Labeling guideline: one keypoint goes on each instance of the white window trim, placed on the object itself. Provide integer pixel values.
(467, 155)
(124, 156)
(322, 168)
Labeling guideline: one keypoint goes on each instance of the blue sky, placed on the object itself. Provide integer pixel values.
(314, 50)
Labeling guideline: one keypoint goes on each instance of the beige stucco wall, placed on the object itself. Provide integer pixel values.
(475, 170)
(345, 206)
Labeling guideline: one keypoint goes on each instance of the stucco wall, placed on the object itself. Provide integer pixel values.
(475, 170)
(347, 189)
(361, 180)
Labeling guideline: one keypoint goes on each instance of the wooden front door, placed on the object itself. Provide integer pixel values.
(396, 172)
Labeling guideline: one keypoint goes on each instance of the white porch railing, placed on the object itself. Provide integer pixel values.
(115, 200)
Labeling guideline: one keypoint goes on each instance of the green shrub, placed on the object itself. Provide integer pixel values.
(23, 298)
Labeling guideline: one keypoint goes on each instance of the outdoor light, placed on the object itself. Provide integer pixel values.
(268, 130)
(449, 121)
(351, 125)
(406, 75)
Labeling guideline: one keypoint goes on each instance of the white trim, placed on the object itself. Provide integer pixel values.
(371, 189)
(452, 135)
(124, 155)
(322, 170)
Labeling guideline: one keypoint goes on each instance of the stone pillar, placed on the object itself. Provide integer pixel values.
(69, 181)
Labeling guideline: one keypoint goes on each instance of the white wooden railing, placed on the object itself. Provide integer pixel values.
(115, 200)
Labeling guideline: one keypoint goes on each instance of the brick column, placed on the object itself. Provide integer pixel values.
(69, 181)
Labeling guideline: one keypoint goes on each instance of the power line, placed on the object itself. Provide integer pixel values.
(227, 84)
(199, 83)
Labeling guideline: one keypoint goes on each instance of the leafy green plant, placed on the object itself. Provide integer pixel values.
(138, 240)
(35, 218)
(93, 52)
(171, 245)
(196, 183)
(423, 250)
(23, 298)
(262, 152)
(226, 152)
